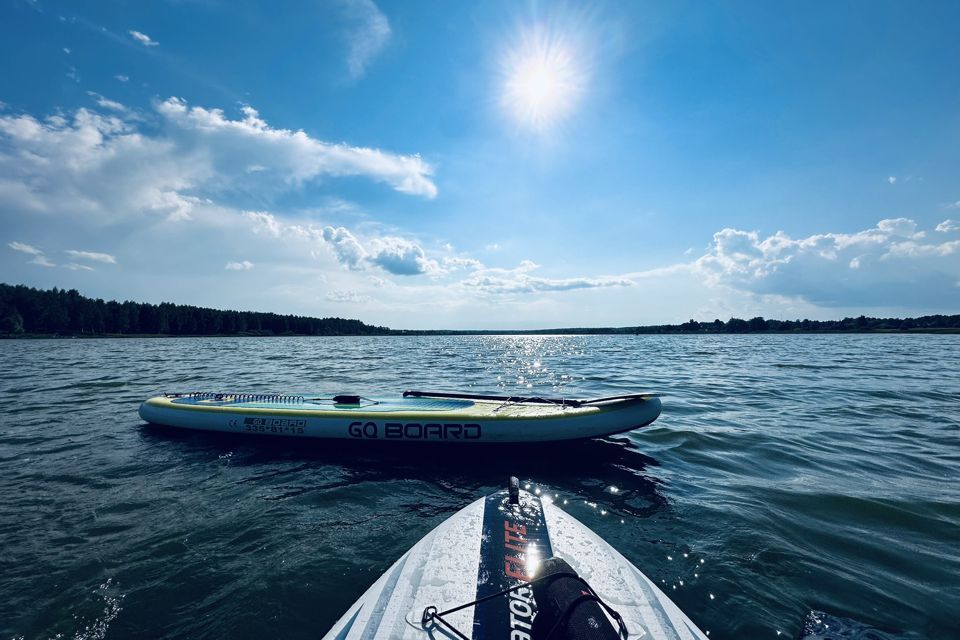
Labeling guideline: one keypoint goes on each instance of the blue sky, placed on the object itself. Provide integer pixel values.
(484, 165)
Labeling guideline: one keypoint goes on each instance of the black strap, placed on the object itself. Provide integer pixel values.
(591, 597)
(430, 614)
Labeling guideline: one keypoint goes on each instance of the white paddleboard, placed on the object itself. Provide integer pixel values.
(416, 417)
(492, 545)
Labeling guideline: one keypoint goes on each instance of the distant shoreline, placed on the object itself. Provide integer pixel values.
(31, 313)
(399, 333)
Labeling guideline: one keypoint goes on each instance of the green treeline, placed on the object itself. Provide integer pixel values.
(862, 324)
(924, 324)
(25, 310)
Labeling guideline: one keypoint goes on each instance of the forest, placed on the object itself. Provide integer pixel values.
(25, 311)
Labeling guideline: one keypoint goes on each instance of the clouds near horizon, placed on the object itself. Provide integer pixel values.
(892, 264)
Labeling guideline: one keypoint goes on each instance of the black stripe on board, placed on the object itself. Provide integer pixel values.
(515, 540)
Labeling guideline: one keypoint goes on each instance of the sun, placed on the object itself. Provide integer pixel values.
(543, 79)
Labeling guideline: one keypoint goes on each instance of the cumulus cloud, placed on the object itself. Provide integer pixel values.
(91, 255)
(367, 33)
(107, 167)
(519, 280)
(398, 256)
(404, 257)
(122, 78)
(401, 257)
(454, 264)
(91, 165)
(244, 265)
(345, 245)
(948, 226)
(892, 264)
(142, 38)
(292, 155)
(264, 222)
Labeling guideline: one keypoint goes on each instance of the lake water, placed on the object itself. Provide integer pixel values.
(787, 473)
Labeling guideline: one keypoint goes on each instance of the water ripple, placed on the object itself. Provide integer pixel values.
(787, 474)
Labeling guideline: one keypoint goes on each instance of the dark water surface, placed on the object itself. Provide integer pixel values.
(786, 474)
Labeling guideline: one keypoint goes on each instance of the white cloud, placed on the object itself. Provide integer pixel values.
(38, 257)
(345, 245)
(73, 266)
(90, 165)
(106, 103)
(122, 78)
(461, 263)
(264, 222)
(244, 265)
(366, 36)
(348, 295)
(91, 255)
(66, 50)
(294, 155)
(519, 281)
(948, 226)
(891, 179)
(106, 167)
(175, 206)
(25, 248)
(401, 257)
(398, 256)
(892, 264)
(142, 38)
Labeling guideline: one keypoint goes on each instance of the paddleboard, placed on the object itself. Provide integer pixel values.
(493, 545)
(416, 416)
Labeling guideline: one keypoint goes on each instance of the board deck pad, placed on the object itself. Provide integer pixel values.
(515, 540)
(399, 404)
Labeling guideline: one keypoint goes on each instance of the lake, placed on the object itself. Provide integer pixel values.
(786, 474)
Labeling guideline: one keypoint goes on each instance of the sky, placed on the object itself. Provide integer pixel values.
(486, 165)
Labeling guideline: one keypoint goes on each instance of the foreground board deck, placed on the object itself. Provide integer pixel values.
(491, 545)
(418, 417)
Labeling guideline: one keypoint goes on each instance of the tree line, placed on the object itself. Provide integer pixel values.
(858, 324)
(25, 310)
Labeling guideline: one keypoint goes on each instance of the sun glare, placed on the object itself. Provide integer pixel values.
(542, 80)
